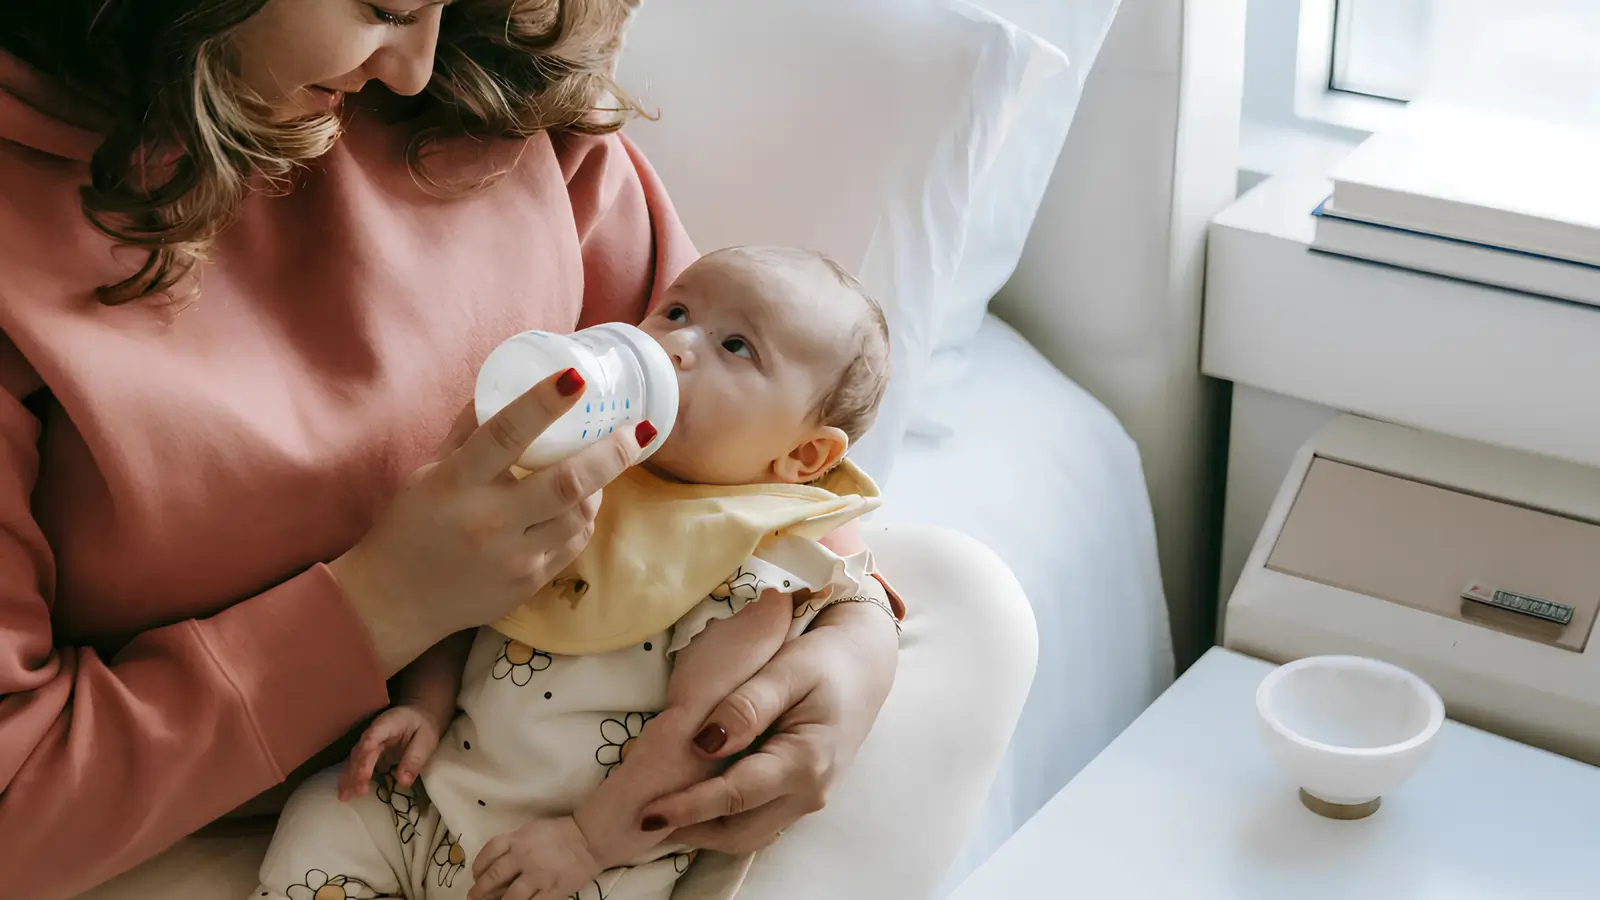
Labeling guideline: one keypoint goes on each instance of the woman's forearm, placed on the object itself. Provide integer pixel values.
(106, 762)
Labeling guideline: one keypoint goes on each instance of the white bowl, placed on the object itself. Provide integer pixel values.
(1347, 729)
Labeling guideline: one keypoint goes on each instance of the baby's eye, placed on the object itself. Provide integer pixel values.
(738, 347)
(677, 314)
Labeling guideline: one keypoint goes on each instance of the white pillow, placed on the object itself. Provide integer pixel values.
(868, 129)
(1007, 192)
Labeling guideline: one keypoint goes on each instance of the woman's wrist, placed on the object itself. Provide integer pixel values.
(395, 642)
(870, 621)
(871, 638)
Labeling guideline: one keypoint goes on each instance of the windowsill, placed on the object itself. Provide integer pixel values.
(1267, 149)
(1447, 356)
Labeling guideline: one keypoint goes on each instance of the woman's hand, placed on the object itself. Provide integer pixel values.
(465, 542)
(819, 697)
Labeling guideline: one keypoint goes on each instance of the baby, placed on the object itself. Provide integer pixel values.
(537, 787)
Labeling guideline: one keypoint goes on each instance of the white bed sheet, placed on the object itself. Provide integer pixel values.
(1038, 470)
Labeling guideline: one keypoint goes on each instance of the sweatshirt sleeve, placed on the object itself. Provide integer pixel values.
(104, 762)
(633, 244)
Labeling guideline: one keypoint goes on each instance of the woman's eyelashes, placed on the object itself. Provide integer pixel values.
(389, 17)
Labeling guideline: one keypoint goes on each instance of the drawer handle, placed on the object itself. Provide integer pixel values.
(1522, 604)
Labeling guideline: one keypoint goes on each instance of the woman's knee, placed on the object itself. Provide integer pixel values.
(962, 603)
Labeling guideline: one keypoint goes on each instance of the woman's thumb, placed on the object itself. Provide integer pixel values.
(746, 714)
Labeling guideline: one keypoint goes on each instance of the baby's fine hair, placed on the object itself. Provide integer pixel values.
(851, 404)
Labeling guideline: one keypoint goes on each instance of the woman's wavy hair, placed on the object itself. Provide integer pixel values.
(185, 140)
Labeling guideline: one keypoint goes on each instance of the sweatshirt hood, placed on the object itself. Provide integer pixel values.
(35, 114)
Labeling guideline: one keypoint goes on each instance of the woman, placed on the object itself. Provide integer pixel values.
(240, 307)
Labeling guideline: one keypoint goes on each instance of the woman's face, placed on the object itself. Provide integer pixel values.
(303, 56)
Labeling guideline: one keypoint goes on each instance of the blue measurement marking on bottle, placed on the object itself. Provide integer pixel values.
(587, 409)
(627, 404)
(585, 434)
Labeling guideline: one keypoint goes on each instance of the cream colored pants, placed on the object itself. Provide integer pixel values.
(898, 817)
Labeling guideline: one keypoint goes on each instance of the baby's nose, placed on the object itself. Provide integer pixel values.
(680, 345)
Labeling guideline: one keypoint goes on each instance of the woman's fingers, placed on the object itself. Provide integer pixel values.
(752, 708)
(748, 806)
(741, 834)
(566, 524)
(552, 490)
(751, 783)
(496, 445)
(553, 544)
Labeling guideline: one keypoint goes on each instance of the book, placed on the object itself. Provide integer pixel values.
(1486, 178)
(1454, 258)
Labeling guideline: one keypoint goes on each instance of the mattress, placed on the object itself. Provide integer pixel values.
(1076, 528)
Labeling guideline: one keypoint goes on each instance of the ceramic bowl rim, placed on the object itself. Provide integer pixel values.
(1430, 697)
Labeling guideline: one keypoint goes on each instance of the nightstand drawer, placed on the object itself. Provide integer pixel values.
(1474, 566)
(1537, 574)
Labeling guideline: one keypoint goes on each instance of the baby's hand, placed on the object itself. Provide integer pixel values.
(546, 859)
(404, 734)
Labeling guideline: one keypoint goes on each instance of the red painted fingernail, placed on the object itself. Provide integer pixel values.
(645, 433)
(711, 738)
(569, 383)
(653, 823)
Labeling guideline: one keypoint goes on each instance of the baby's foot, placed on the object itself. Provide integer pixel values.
(546, 859)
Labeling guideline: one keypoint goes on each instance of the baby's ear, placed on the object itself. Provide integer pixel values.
(813, 457)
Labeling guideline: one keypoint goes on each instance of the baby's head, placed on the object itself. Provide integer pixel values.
(782, 360)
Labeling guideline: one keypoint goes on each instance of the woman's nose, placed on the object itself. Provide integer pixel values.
(405, 65)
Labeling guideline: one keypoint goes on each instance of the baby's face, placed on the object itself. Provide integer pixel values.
(756, 345)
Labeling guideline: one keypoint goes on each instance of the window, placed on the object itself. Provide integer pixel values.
(1377, 47)
(1531, 56)
(1322, 74)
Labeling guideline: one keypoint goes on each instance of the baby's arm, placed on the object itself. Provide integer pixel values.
(408, 732)
(433, 679)
(717, 661)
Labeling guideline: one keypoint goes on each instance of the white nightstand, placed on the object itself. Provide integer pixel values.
(1304, 336)
(1186, 804)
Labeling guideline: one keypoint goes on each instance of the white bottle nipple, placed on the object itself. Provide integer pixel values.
(627, 378)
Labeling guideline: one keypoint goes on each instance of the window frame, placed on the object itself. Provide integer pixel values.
(1315, 98)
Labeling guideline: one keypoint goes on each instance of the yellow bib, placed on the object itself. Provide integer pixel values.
(660, 547)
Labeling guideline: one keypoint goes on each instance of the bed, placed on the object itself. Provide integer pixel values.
(1076, 529)
(1060, 158)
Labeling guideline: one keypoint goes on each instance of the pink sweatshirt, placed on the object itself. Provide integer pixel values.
(170, 644)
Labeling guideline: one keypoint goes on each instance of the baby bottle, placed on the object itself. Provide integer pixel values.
(627, 378)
